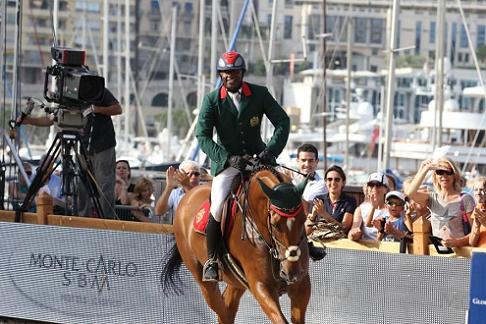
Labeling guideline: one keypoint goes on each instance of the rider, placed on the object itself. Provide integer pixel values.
(235, 110)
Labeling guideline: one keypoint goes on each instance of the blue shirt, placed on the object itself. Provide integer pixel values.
(345, 204)
(173, 201)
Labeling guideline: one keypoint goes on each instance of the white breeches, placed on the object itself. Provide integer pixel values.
(220, 189)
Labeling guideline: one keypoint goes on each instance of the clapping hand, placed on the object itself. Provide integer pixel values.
(319, 206)
(170, 177)
(183, 178)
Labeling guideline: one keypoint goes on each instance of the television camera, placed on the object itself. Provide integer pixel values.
(70, 84)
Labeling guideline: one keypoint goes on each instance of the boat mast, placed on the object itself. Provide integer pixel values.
(214, 43)
(390, 93)
(16, 53)
(106, 24)
(200, 54)
(127, 70)
(349, 58)
(171, 77)
(439, 76)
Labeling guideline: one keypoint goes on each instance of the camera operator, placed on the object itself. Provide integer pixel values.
(98, 138)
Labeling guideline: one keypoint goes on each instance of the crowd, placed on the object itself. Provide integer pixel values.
(235, 110)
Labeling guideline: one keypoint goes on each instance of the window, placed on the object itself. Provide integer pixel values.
(418, 35)
(360, 30)
(432, 32)
(376, 32)
(481, 35)
(453, 42)
(288, 27)
(463, 39)
(188, 9)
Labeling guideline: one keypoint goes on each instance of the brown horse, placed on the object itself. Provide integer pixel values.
(273, 254)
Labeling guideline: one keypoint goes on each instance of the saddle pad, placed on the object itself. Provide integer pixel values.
(202, 217)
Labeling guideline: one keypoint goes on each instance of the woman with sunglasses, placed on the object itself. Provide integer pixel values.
(178, 182)
(335, 206)
(447, 205)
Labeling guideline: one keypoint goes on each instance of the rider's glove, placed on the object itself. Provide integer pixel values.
(266, 157)
(237, 162)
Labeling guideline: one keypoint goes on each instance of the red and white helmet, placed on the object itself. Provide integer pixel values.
(230, 61)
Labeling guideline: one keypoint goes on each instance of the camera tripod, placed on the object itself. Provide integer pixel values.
(64, 145)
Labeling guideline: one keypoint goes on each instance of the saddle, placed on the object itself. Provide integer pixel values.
(229, 210)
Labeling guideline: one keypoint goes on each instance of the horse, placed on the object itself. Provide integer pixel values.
(267, 242)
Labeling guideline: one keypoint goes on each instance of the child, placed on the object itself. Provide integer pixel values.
(395, 226)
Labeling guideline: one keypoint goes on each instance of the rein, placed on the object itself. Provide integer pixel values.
(274, 246)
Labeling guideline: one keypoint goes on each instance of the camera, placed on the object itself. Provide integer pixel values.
(69, 83)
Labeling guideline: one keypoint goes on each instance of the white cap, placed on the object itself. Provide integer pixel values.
(397, 194)
(378, 177)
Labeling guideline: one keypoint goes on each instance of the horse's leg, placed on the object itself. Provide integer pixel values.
(299, 295)
(268, 300)
(210, 291)
(232, 296)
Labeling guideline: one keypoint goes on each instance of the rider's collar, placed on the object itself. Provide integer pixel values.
(245, 89)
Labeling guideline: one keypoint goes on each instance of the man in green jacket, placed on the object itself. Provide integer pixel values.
(235, 110)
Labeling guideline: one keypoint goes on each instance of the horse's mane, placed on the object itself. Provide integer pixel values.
(263, 167)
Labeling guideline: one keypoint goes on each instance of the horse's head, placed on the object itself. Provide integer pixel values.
(285, 219)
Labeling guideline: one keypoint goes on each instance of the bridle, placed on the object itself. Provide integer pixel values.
(292, 252)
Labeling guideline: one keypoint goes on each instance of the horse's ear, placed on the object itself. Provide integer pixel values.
(267, 190)
(301, 186)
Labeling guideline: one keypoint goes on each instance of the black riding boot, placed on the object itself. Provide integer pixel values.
(213, 241)
(316, 253)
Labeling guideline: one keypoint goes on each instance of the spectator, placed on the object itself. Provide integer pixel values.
(395, 226)
(415, 210)
(98, 139)
(307, 161)
(478, 231)
(18, 189)
(143, 192)
(178, 182)
(372, 208)
(335, 206)
(448, 207)
(121, 193)
(123, 170)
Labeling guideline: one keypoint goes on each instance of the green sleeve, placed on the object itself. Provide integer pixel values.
(204, 133)
(280, 120)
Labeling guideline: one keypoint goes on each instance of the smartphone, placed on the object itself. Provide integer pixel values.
(439, 247)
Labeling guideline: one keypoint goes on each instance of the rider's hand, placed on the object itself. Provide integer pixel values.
(237, 162)
(266, 157)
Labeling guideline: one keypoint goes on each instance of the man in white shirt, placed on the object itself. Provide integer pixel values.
(307, 161)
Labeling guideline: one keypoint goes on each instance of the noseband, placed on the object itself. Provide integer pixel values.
(292, 252)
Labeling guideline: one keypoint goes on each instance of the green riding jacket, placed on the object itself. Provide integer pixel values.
(239, 133)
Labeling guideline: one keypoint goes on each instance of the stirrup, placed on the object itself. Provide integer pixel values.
(211, 271)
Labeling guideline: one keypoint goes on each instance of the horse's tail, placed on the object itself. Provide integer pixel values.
(170, 276)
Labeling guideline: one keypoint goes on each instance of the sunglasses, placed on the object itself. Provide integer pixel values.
(395, 203)
(375, 184)
(197, 174)
(333, 179)
(444, 172)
